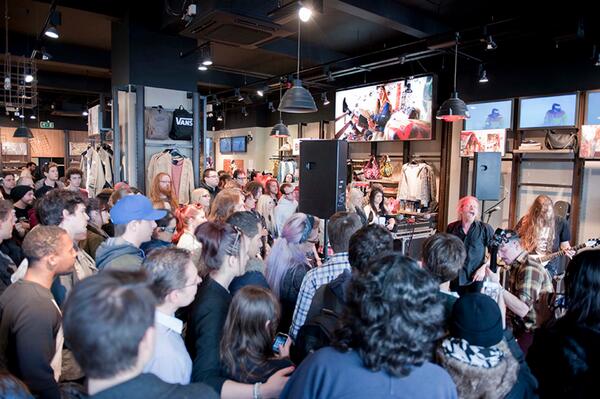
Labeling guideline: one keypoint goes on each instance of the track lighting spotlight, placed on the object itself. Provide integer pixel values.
(244, 112)
(51, 32)
(330, 77)
(85, 112)
(28, 77)
(324, 99)
(32, 116)
(238, 95)
(271, 107)
(490, 43)
(408, 89)
(220, 118)
(483, 75)
(202, 68)
(597, 63)
(304, 13)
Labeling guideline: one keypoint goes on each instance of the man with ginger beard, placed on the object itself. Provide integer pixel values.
(476, 235)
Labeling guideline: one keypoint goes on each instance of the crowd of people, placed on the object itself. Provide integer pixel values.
(234, 296)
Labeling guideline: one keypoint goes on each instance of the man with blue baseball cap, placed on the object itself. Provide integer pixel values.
(134, 219)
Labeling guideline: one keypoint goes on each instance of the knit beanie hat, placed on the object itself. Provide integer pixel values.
(477, 319)
(19, 192)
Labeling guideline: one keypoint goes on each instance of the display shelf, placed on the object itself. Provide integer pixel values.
(542, 151)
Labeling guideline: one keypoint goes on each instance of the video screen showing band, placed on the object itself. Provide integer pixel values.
(551, 111)
(490, 115)
(396, 111)
(592, 116)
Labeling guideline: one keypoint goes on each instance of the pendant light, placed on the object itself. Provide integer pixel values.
(453, 109)
(297, 100)
(280, 130)
(23, 131)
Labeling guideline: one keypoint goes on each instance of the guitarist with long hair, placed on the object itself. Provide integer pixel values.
(542, 232)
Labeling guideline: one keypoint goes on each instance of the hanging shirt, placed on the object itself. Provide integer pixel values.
(176, 171)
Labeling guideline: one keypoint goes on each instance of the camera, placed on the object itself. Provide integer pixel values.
(500, 237)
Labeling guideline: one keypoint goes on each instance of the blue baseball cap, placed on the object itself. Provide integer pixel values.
(134, 207)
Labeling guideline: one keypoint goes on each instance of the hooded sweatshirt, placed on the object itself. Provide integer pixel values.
(117, 253)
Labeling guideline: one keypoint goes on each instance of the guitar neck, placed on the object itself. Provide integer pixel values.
(561, 253)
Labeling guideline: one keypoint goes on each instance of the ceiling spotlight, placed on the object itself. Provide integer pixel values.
(28, 77)
(45, 55)
(490, 43)
(202, 68)
(244, 112)
(330, 77)
(32, 116)
(17, 113)
(597, 63)
(408, 89)
(22, 116)
(51, 32)
(85, 112)
(271, 107)
(304, 13)
(260, 92)
(238, 95)
(402, 60)
(220, 118)
(324, 99)
(483, 75)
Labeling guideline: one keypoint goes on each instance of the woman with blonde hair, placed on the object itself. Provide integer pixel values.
(162, 192)
(265, 206)
(543, 232)
(226, 202)
(189, 217)
(201, 196)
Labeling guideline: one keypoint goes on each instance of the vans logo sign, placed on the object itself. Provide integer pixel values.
(180, 121)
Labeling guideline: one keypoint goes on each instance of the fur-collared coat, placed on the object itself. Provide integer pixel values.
(482, 383)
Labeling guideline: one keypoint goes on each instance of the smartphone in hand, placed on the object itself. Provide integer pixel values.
(280, 340)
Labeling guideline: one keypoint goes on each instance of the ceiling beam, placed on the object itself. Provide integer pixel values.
(391, 14)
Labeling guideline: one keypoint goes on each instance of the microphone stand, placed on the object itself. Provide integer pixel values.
(491, 209)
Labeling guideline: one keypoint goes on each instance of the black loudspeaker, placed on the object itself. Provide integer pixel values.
(486, 175)
(323, 177)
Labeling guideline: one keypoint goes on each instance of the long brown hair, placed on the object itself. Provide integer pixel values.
(155, 193)
(246, 337)
(534, 222)
(224, 205)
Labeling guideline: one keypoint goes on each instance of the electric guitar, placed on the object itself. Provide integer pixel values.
(545, 259)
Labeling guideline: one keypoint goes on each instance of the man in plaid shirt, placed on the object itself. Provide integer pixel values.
(530, 282)
(341, 226)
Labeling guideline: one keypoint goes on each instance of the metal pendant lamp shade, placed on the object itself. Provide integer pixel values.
(453, 109)
(280, 130)
(297, 100)
(23, 132)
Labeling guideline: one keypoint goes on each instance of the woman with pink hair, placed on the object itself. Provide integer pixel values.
(288, 262)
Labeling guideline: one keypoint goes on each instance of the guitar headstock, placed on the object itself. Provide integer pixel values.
(593, 242)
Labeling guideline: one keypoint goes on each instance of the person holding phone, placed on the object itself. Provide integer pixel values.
(251, 351)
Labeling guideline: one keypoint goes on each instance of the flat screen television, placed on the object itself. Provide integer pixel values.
(490, 115)
(548, 111)
(396, 111)
(225, 145)
(238, 144)
(592, 113)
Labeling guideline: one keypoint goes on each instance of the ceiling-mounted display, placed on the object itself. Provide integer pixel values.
(400, 110)
(490, 115)
(238, 144)
(225, 145)
(592, 114)
(548, 111)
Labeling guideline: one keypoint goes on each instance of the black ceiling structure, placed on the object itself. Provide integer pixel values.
(346, 43)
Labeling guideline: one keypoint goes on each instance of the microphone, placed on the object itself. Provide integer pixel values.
(492, 210)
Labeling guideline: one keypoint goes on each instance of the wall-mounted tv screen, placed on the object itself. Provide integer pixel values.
(238, 144)
(400, 110)
(490, 115)
(592, 114)
(225, 145)
(548, 111)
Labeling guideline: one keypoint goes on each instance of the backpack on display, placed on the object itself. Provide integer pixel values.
(158, 123)
(183, 123)
(371, 169)
(561, 140)
(319, 330)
